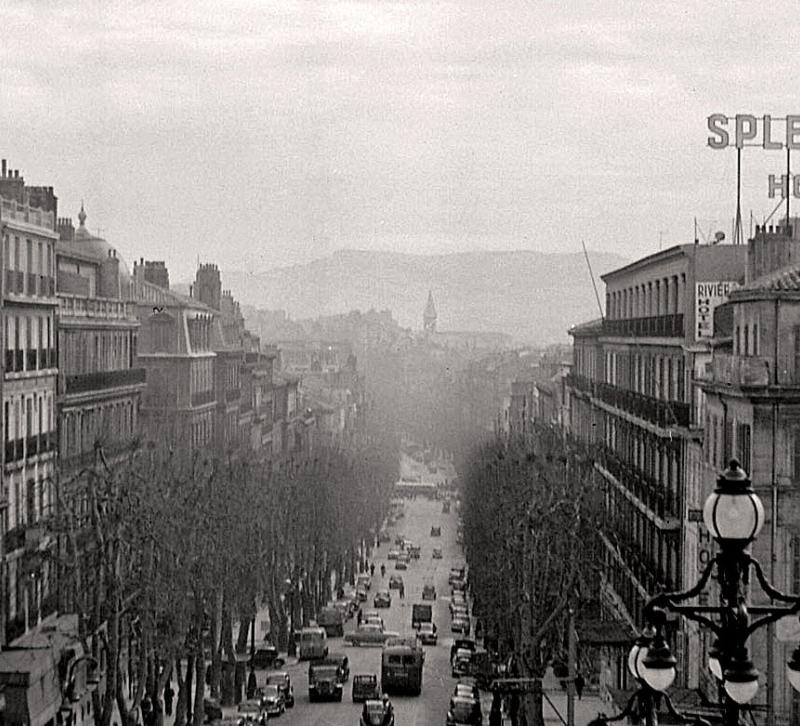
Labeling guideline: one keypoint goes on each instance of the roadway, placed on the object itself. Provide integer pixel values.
(430, 708)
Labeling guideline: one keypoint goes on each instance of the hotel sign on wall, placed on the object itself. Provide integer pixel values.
(707, 296)
(767, 132)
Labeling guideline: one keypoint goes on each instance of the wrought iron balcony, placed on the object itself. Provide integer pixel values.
(657, 411)
(105, 379)
(581, 383)
(658, 326)
(202, 398)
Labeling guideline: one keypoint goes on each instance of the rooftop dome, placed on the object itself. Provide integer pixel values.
(85, 243)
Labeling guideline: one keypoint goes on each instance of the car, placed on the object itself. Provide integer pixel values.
(467, 688)
(370, 615)
(393, 555)
(428, 592)
(346, 606)
(383, 599)
(250, 712)
(401, 564)
(361, 594)
(266, 656)
(460, 662)
(460, 625)
(364, 581)
(436, 531)
(284, 682)
(437, 553)
(369, 634)
(272, 699)
(427, 634)
(212, 709)
(462, 644)
(464, 712)
(414, 552)
(377, 713)
(395, 582)
(456, 573)
(446, 508)
(365, 686)
(459, 611)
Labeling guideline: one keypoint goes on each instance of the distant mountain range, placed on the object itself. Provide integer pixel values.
(534, 296)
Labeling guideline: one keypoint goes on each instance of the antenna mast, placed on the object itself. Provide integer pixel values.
(594, 284)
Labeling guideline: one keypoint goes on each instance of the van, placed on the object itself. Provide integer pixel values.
(332, 619)
(313, 643)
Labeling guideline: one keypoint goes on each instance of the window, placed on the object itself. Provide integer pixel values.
(755, 339)
(746, 340)
(743, 446)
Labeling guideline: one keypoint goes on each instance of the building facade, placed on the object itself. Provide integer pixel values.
(28, 225)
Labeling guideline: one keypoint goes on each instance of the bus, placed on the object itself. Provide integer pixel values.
(401, 669)
(313, 643)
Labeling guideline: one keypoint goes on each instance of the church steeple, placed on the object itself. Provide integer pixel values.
(429, 316)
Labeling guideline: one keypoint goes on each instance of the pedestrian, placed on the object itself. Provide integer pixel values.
(402, 591)
(383, 570)
(371, 569)
(340, 593)
(579, 684)
(496, 711)
(169, 694)
(251, 684)
(359, 618)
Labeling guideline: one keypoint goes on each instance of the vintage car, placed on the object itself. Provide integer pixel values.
(456, 573)
(436, 554)
(377, 713)
(369, 634)
(462, 644)
(401, 563)
(364, 581)
(436, 531)
(461, 625)
(272, 699)
(383, 599)
(460, 663)
(393, 554)
(365, 686)
(250, 712)
(428, 592)
(361, 594)
(467, 688)
(414, 552)
(266, 656)
(395, 582)
(427, 634)
(284, 682)
(464, 712)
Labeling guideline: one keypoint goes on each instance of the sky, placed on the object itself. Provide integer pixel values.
(258, 134)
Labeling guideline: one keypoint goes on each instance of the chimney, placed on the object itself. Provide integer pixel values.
(16, 173)
(3, 166)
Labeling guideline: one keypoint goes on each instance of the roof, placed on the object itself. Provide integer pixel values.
(88, 245)
(785, 279)
(587, 328)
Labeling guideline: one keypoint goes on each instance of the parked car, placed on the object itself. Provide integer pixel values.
(369, 634)
(365, 686)
(427, 634)
(437, 553)
(364, 581)
(371, 616)
(460, 625)
(266, 656)
(361, 594)
(462, 644)
(460, 663)
(383, 599)
(272, 699)
(436, 531)
(428, 592)
(377, 713)
(395, 582)
(414, 552)
(456, 573)
(284, 682)
(393, 554)
(467, 688)
(464, 712)
(250, 712)
(401, 564)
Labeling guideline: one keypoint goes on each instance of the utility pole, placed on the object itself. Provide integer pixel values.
(572, 655)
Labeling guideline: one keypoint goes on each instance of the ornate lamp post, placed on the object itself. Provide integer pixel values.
(734, 515)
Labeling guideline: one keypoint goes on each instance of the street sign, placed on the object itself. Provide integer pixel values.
(516, 685)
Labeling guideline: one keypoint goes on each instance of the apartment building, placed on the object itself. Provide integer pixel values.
(631, 396)
(28, 224)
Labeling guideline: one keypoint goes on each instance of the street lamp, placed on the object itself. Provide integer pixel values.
(734, 515)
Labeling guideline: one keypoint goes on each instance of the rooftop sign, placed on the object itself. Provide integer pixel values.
(745, 129)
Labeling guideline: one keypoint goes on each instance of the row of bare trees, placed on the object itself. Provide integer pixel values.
(161, 553)
(529, 513)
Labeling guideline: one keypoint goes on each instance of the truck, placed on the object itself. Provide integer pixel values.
(421, 613)
(332, 619)
(324, 681)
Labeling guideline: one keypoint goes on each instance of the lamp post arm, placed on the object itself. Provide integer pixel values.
(691, 614)
(696, 720)
(776, 614)
(627, 711)
(767, 586)
(669, 599)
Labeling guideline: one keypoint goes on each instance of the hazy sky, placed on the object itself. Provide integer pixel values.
(262, 133)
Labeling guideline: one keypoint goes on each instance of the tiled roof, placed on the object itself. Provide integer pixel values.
(786, 279)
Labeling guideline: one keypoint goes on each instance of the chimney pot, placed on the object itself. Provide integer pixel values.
(16, 173)
(3, 166)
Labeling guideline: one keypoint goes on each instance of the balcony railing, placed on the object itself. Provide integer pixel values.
(78, 306)
(581, 383)
(657, 411)
(202, 398)
(658, 326)
(743, 371)
(105, 379)
(643, 486)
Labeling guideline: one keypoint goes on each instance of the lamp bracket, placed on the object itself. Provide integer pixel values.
(627, 711)
(696, 720)
(767, 586)
(669, 599)
(772, 615)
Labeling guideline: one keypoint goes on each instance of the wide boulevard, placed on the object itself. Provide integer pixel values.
(430, 708)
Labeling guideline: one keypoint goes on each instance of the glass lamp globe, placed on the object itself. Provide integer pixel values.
(714, 664)
(793, 670)
(638, 652)
(741, 691)
(658, 667)
(733, 512)
(740, 677)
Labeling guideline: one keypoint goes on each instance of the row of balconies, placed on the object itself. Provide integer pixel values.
(655, 410)
(645, 569)
(581, 383)
(31, 359)
(92, 307)
(658, 326)
(19, 449)
(84, 382)
(30, 284)
(660, 500)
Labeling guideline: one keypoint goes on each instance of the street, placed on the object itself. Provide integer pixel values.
(431, 707)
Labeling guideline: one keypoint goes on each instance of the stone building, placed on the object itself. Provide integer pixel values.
(100, 381)
(28, 226)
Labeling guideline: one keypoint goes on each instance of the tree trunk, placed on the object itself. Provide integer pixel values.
(187, 704)
(230, 660)
(217, 625)
(180, 703)
(200, 688)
